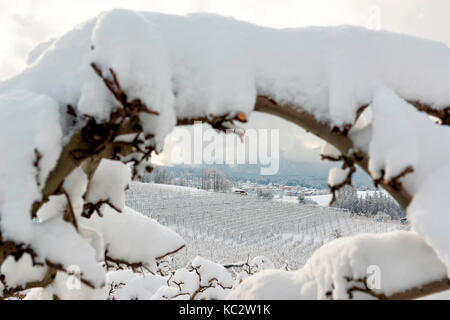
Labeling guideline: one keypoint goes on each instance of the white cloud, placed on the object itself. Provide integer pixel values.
(26, 23)
(295, 143)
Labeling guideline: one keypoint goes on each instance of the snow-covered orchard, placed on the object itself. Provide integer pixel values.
(93, 106)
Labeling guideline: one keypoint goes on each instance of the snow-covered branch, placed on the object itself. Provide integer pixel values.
(340, 141)
(202, 280)
(397, 265)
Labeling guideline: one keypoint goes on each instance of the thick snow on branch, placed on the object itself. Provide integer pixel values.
(127, 237)
(337, 176)
(261, 263)
(14, 271)
(386, 263)
(330, 152)
(429, 212)
(211, 271)
(132, 286)
(420, 162)
(202, 280)
(68, 287)
(131, 237)
(30, 143)
(108, 185)
(206, 64)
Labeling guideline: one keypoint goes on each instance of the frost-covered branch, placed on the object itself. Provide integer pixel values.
(420, 291)
(324, 131)
(97, 141)
(48, 278)
(442, 114)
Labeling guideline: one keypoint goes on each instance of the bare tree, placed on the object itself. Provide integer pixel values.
(215, 179)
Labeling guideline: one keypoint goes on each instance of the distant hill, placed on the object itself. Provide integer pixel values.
(308, 174)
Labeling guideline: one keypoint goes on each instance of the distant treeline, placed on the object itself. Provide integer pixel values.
(308, 175)
(371, 204)
(210, 179)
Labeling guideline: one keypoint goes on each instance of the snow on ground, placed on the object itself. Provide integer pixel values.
(284, 198)
(228, 228)
(325, 199)
(322, 200)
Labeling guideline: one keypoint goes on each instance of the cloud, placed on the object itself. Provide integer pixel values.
(26, 23)
(294, 143)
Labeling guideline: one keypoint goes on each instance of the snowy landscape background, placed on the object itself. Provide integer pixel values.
(229, 228)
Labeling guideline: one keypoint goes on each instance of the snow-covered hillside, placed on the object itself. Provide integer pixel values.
(325, 199)
(226, 227)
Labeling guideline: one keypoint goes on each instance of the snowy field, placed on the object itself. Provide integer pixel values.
(228, 228)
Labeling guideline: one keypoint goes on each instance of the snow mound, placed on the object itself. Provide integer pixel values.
(340, 265)
(202, 280)
(142, 240)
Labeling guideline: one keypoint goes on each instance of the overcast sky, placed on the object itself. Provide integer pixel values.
(26, 23)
